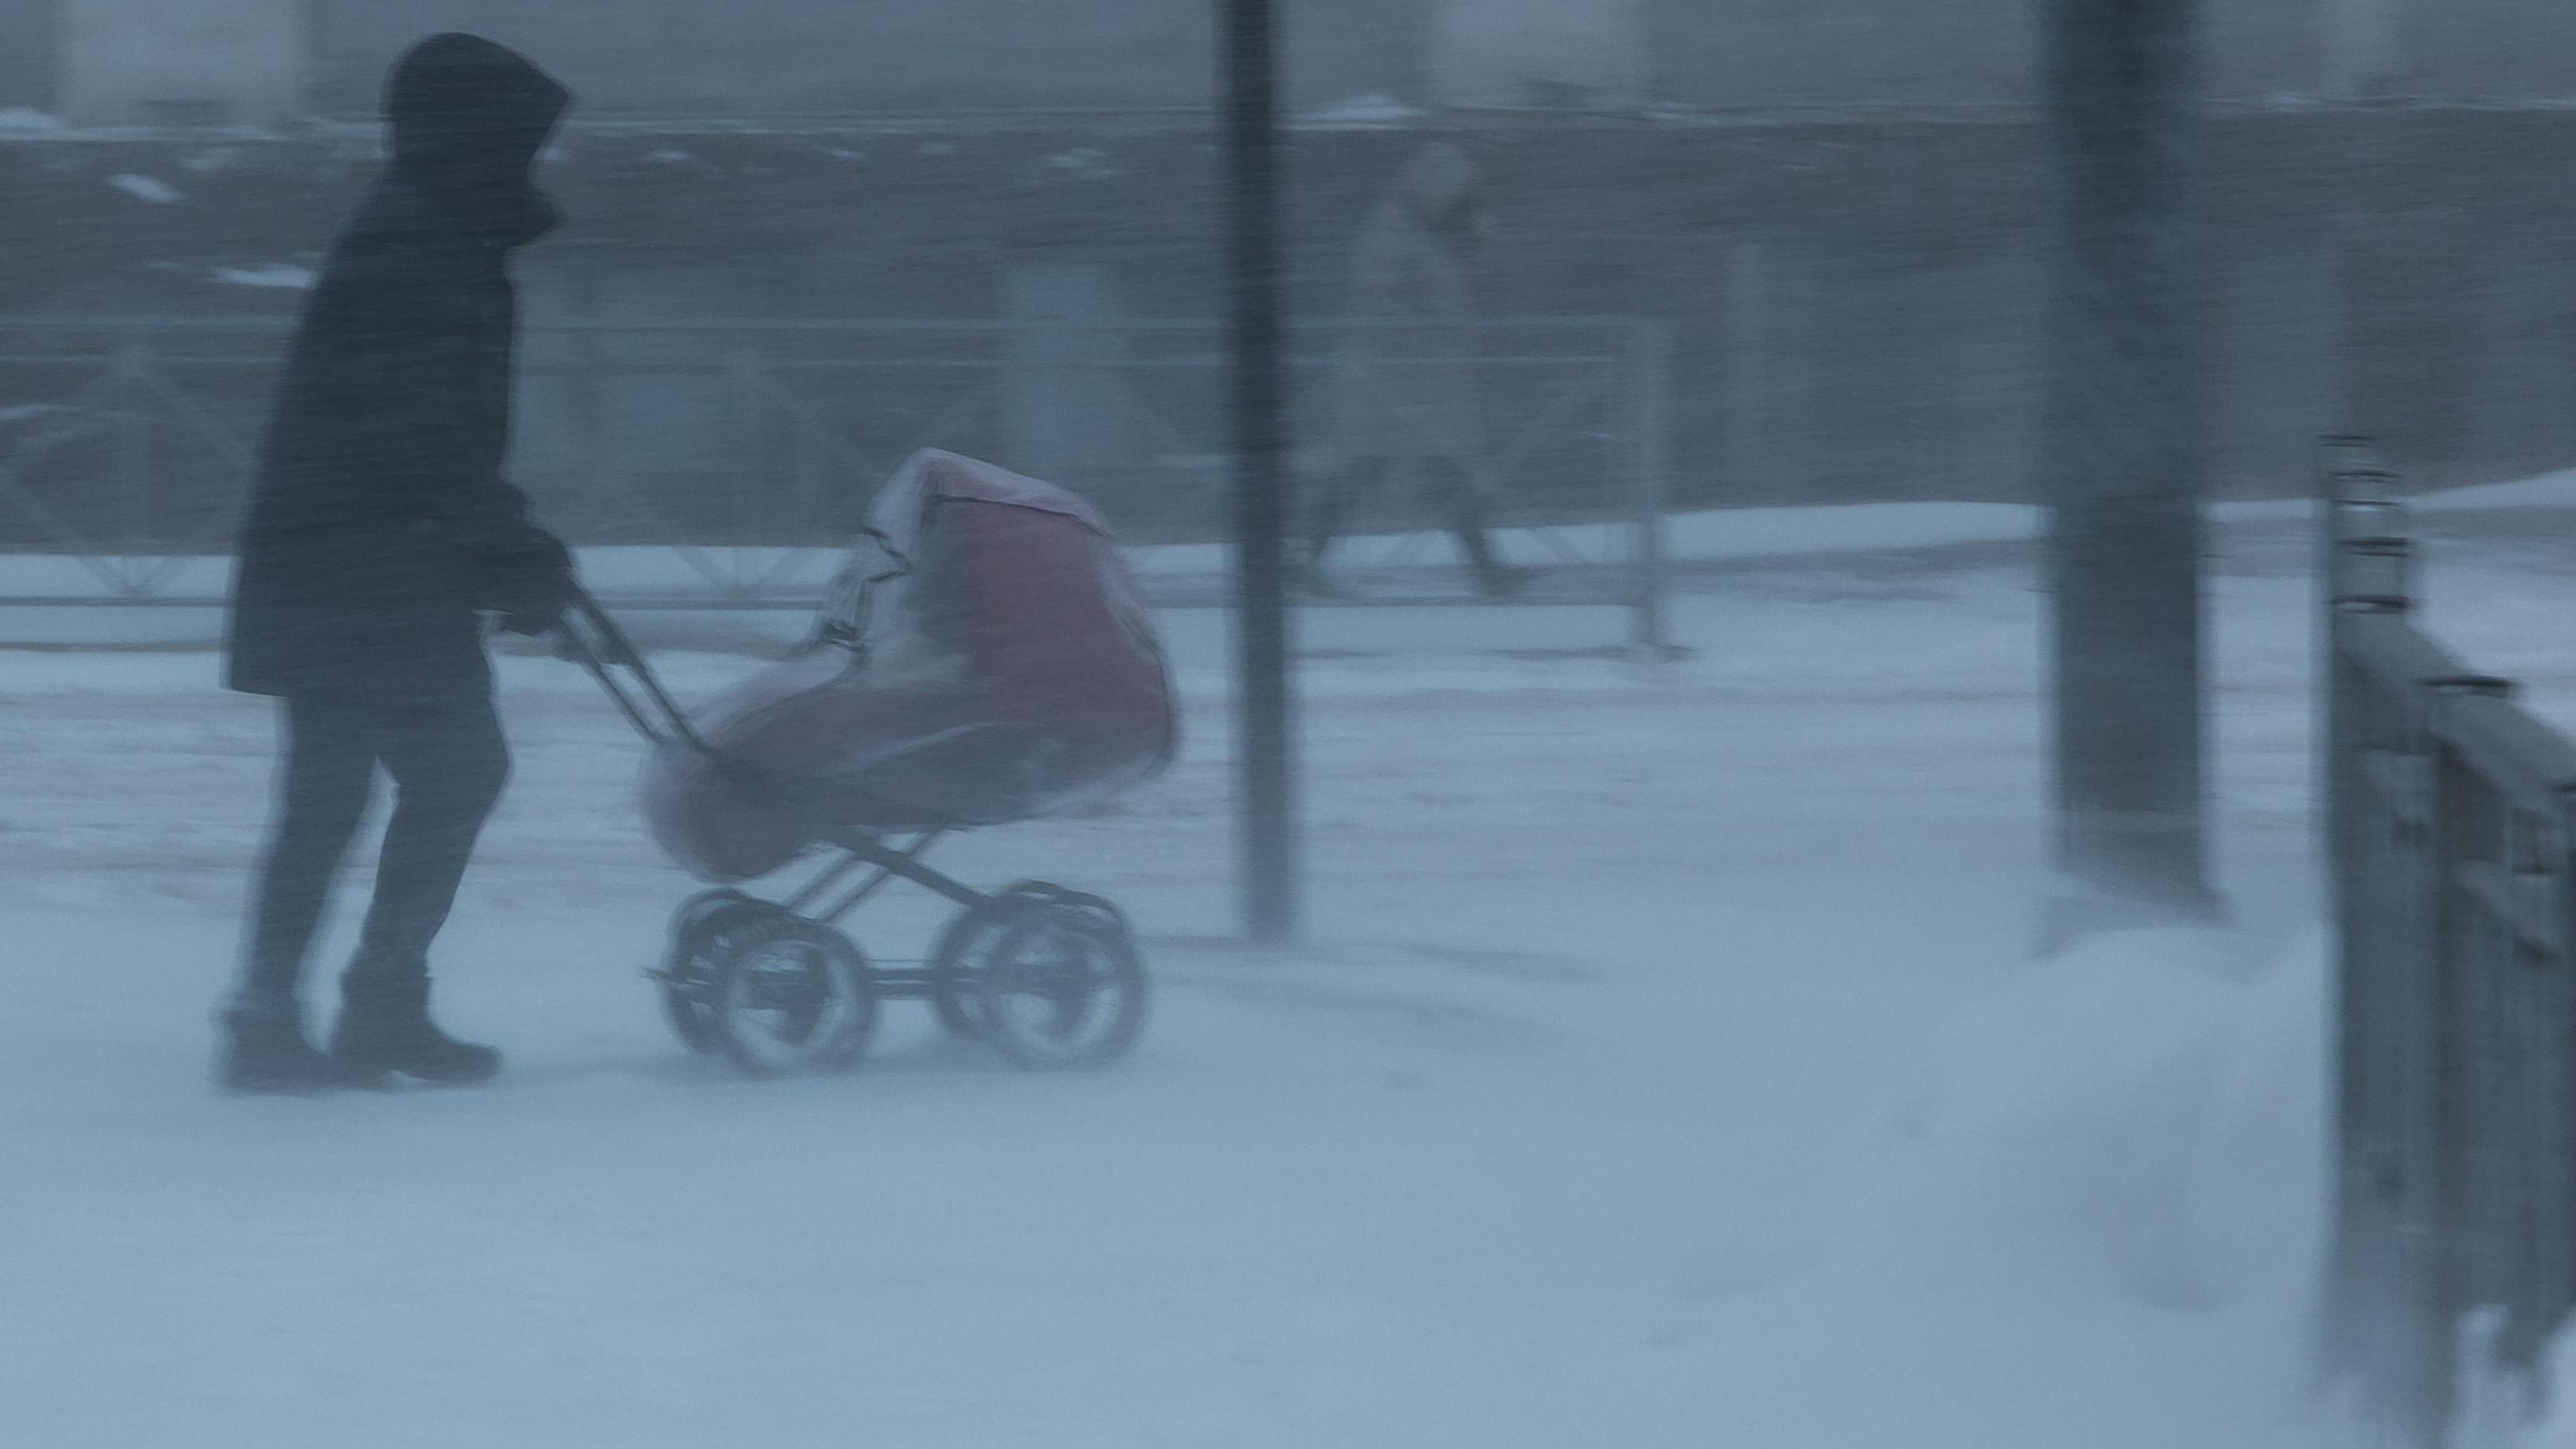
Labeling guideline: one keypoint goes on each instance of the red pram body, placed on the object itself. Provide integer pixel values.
(986, 658)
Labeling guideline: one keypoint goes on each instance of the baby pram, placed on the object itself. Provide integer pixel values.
(983, 658)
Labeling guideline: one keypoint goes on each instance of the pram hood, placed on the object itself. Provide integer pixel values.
(985, 656)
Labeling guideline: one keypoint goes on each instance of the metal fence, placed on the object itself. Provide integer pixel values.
(2450, 827)
(126, 444)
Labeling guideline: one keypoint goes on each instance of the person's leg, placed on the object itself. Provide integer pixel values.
(1466, 505)
(1324, 512)
(449, 765)
(323, 781)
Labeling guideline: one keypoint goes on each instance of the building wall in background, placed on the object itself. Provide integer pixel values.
(175, 62)
(27, 55)
(2486, 49)
(141, 61)
(687, 57)
(1341, 50)
(1787, 53)
(1855, 297)
(788, 56)
(1855, 303)
(1540, 53)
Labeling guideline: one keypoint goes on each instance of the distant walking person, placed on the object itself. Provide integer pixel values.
(1406, 403)
(380, 535)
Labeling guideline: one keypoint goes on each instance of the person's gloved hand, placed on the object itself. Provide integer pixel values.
(533, 583)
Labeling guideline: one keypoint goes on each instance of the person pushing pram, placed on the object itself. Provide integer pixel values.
(1405, 401)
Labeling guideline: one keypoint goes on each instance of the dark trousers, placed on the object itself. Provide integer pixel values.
(1460, 500)
(448, 762)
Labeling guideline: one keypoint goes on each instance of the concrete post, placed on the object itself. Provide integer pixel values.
(2122, 463)
(1266, 771)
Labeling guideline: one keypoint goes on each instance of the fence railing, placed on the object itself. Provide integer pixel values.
(2450, 815)
(126, 444)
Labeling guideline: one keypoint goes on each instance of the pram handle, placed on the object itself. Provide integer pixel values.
(590, 638)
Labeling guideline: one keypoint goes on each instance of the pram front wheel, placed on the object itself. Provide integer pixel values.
(963, 949)
(1050, 977)
(785, 994)
(698, 930)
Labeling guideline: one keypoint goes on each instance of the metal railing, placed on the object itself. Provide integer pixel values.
(2449, 830)
(126, 444)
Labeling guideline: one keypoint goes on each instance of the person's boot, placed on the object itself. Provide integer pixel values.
(264, 1050)
(385, 1030)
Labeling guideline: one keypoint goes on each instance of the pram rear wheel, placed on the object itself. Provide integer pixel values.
(686, 978)
(788, 995)
(1056, 981)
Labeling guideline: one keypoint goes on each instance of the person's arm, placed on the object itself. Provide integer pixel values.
(421, 372)
(416, 370)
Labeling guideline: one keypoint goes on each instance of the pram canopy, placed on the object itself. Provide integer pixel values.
(985, 657)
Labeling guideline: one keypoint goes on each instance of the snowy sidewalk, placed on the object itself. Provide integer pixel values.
(1665, 1070)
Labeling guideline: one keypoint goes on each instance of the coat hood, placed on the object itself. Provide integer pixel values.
(468, 118)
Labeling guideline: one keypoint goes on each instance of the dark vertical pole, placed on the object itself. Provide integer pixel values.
(1265, 803)
(2123, 459)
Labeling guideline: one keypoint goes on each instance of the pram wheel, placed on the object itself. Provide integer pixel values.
(961, 953)
(786, 994)
(701, 910)
(697, 931)
(1049, 977)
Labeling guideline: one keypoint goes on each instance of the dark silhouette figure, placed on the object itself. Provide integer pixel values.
(380, 535)
(1407, 404)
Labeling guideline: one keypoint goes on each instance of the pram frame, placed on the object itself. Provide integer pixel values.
(590, 637)
(595, 641)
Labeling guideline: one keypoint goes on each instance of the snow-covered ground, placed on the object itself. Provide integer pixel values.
(1666, 1069)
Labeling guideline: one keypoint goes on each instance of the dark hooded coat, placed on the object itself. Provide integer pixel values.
(381, 525)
